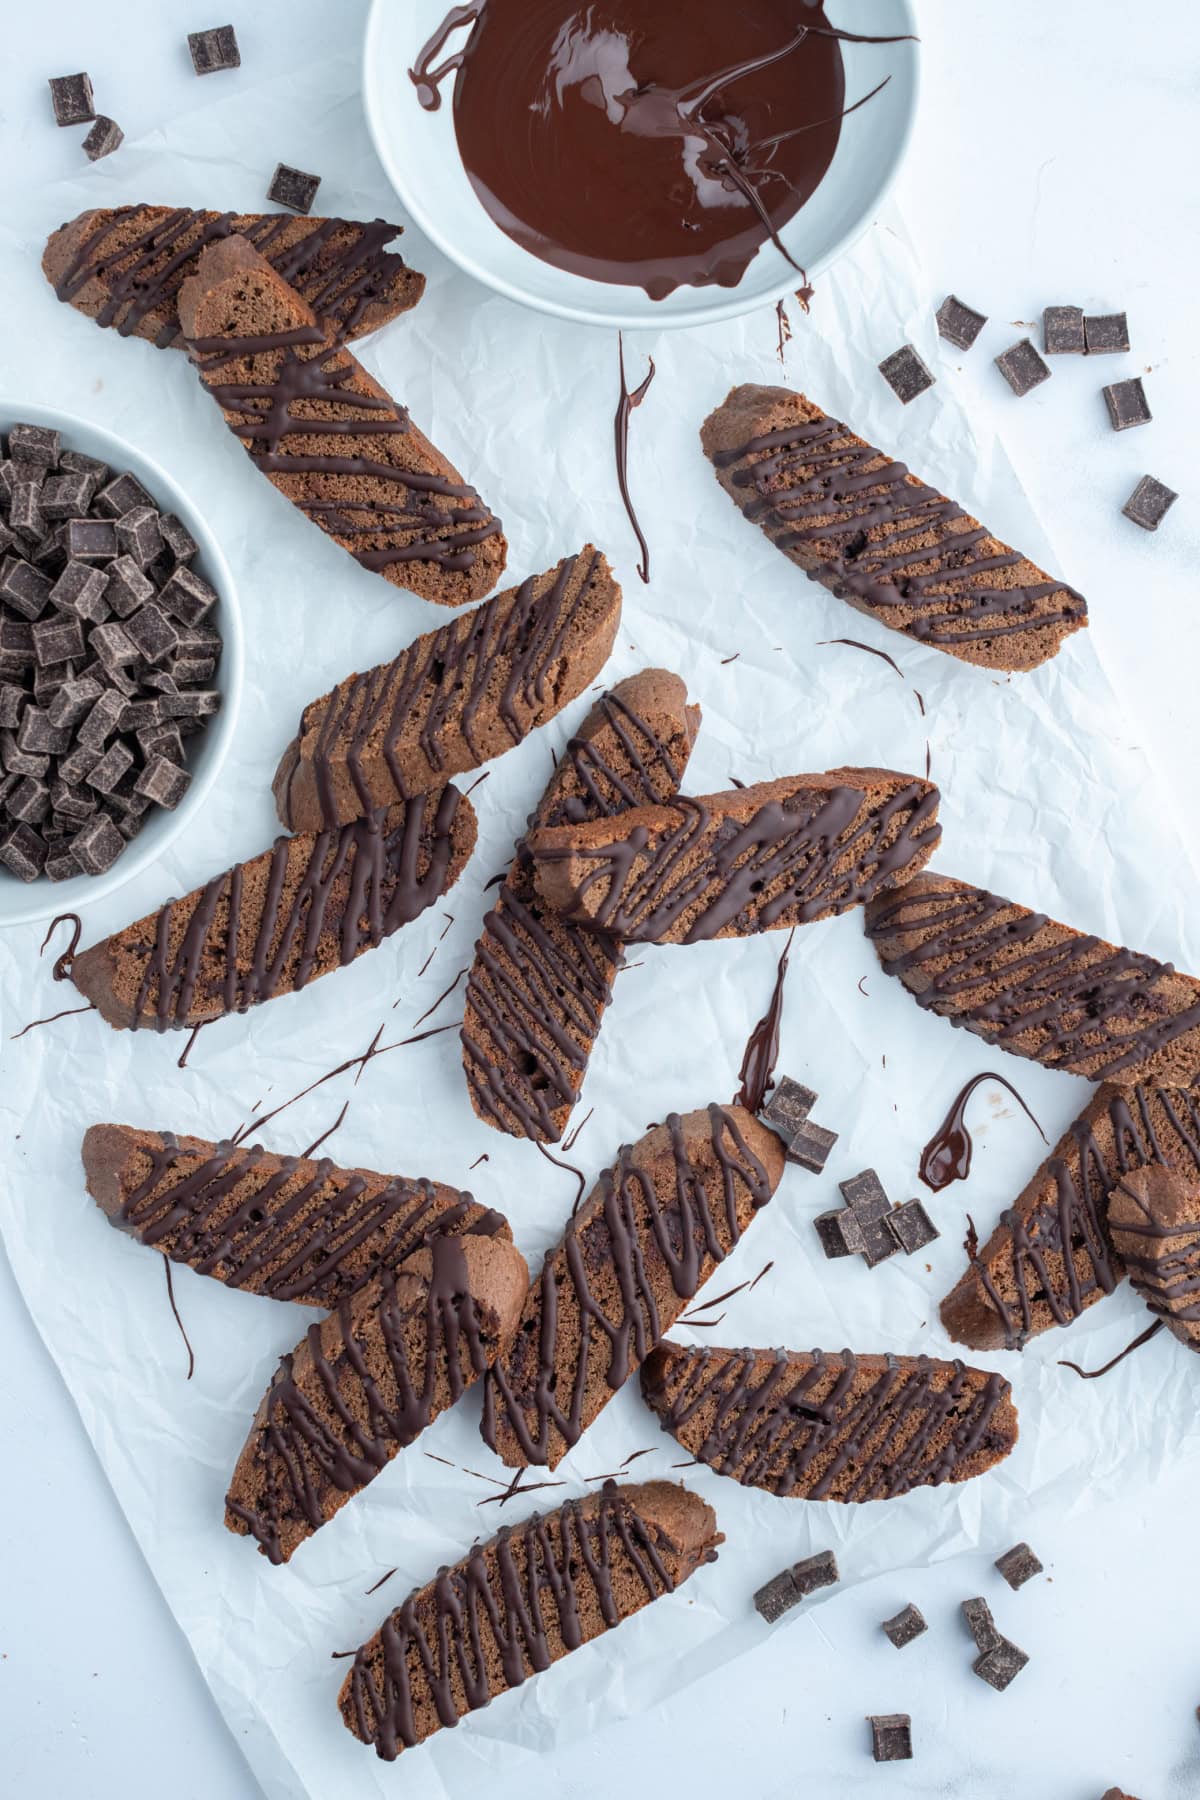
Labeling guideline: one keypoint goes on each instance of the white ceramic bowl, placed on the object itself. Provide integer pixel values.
(419, 151)
(21, 902)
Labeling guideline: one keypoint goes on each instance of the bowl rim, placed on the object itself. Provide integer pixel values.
(142, 851)
(703, 312)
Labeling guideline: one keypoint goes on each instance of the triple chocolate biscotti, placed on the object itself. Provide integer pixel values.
(1037, 988)
(539, 986)
(453, 698)
(1051, 1255)
(366, 1381)
(1154, 1219)
(826, 1426)
(124, 266)
(760, 858)
(328, 436)
(311, 904)
(859, 522)
(517, 1603)
(289, 1227)
(633, 1255)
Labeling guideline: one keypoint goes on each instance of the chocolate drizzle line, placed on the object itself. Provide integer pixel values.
(66, 1013)
(1143, 1337)
(757, 1073)
(62, 967)
(191, 1355)
(946, 1158)
(444, 995)
(835, 496)
(626, 406)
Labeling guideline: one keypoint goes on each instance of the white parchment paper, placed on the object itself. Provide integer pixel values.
(1045, 798)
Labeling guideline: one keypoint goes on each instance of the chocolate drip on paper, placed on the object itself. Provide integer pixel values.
(1143, 1337)
(627, 404)
(946, 1158)
(62, 964)
(757, 1073)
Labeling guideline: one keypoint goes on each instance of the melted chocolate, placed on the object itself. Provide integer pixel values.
(187, 1342)
(1143, 1337)
(62, 966)
(762, 1049)
(626, 406)
(633, 144)
(946, 1158)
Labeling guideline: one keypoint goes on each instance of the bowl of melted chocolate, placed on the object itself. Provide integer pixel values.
(638, 162)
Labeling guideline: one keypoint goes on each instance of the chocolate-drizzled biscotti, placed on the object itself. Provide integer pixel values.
(1154, 1220)
(311, 904)
(728, 865)
(825, 1426)
(633, 1255)
(328, 436)
(539, 986)
(1051, 1255)
(367, 1380)
(1037, 988)
(290, 1227)
(856, 520)
(124, 266)
(452, 699)
(517, 1603)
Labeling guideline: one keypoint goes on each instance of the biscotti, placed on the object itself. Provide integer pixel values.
(1037, 988)
(290, 1227)
(517, 1603)
(1050, 1257)
(633, 1255)
(728, 865)
(124, 266)
(329, 437)
(1154, 1220)
(452, 699)
(831, 1427)
(856, 520)
(311, 904)
(365, 1382)
(539, 986)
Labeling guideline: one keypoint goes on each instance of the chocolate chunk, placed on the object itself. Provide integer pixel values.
(810, 1148)
(58, 639)
(139, 713)
(23, 852)
(1127, 404)
(1062, 331)
(12, 699)
(815, 1572)
(162, 739)
(125, 800)
(105, 774)
(101, 721)
(293, 188)
(76, 463)
(75, 765)
(71, 804)
(73, 701)
(97, 845)
(92, 540)
(39, 737)
(906, 374)
(912, 1226)
(958, 324)
(197, 703)
(980, 1623)
(187, 597)
(60, 865)
(29, 800)
(113, 645)
(25, 588)
(177, 538)
(906, 1627)
(865, 1193)
(163, 783)
(47, 681)
(1000, 1665)
(214, 51)
(150, 632)
(25, 509)
(16, 641)
(1018, 1565)
(40, 445)
(788, 1107)
(776, 1597)
(121, 495)
(50, 552)
(189, 669)
(840, 1233)
(21, 762)
(1022, 368)
(1107, 334)
(67, 496)
(72, 99)
(138, 535)
(81, 589)
(128, 588)
(879, 1241)
(104, 137)
(1149, 503)
(891, 1737)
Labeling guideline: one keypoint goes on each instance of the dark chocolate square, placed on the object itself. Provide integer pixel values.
(23, 852)
(891, 1737)
(177, 537)
(810, 1148)
(29, 800)
(92, 540)
(906, 1627)
(188, 597)
(121, 495)
(105, 774)
(163, 783)
(865, 1193)
(151, 633)
(73, 701)
(960, 325)
(1106, 334)
(40, 445)
(815, 1572)
(1000, 1665)
(1127, 404)
(214, 51)
(39, 736)
(879, 1240)
(788, 1107)
(97, 845)
(104, 137)
(25, 514)
(1062, 331)
(71, 96)
(58, 639)
(12, 699)
(912, 1227)
(906, 374)
(101, 721)
(293, 188)
(839, 1232)
(1022, 368)
(24, 587)
(67, 496)
(128, 588)
(1018, 1565)
(980, 1623)
(776, 1597)
(138, 535)
(1149, 503)
(81, 589)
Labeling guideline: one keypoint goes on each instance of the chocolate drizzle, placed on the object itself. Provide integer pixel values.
(62, 964)
(627, 404)
(1154, 1221)
(757, 1072)
(946, 1158)
(831, 1427)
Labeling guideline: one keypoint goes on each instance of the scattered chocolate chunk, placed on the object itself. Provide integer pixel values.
(1062, 331)
(912, 1227)
(815, 1572)
(1018, 1565)
(906, 374)
(810, 1148)
(214, 51)
(1107, 334)
(776, 1597)
(104, 137)
(97, 845)
(788, 1107)
(36, 444)
(906, 1627)
(891, 1737)
(1149, 503)
(72, 99)
(960, 325)
(866, 1192)
(1000, 1665)
(840, 1233)
(1022, 368)
(293, 188)
(163, 783)
(1127, 404)
(981, 1624)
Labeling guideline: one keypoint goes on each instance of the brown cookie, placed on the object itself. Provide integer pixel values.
(311, 904)
(539, 986)
(824, 1426)
(291, 1227)
(517, 1603)
(452, 699)
(365, 1383)
(756, 859)
(1154, 1221)
(857, 521)
(329, 437)
(634, 1254)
